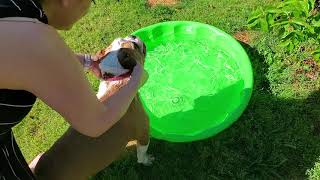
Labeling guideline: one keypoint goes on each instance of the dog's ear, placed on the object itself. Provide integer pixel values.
(127, 58)
(144, 49)
(104, 52)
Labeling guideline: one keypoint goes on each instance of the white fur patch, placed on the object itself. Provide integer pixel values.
(103, 89)
(143, 156)
(116, 44)
(110, 64)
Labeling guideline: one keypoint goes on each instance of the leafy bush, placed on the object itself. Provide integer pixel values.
(295, 21)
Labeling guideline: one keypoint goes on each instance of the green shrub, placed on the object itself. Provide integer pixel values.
(294, 21)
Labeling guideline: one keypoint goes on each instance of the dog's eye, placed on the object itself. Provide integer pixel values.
(136, 46)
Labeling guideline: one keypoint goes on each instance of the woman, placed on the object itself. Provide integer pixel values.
(35, 62)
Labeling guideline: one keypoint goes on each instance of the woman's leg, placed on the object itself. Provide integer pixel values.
(75, 156)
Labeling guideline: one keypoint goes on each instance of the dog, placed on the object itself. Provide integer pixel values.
(117, 62)
(75, 156)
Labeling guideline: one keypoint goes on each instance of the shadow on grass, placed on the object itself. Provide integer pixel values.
(274, 139)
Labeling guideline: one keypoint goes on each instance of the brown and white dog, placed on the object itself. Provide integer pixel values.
(117, 63)
(75, 156)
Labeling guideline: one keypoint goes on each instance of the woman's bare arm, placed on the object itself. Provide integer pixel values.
(45, 66)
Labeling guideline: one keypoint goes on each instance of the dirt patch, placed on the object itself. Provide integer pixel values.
(243, 36)
(309, 68)
(162, 2)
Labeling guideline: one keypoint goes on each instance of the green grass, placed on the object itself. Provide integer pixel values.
(278, 136)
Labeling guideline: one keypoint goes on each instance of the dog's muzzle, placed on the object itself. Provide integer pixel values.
(111, 66)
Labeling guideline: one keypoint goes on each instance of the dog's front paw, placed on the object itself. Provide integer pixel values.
(142, 155)
(146, 160)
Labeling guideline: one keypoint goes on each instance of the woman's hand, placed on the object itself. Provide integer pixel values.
(90, 62)
(96, 59)
(95, 69)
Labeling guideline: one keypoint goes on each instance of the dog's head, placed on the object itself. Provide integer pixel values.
(121, 56)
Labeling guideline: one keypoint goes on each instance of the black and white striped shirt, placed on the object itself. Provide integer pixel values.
(15, 104)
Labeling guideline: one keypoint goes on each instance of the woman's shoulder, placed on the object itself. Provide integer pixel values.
(27, 37)
(24, 26)
(28, 47)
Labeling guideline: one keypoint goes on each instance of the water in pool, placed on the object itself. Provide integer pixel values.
(181, 72)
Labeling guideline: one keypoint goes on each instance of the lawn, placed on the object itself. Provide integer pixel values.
(277, 137)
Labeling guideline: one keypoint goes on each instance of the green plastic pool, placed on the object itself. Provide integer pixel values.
(200, 80)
